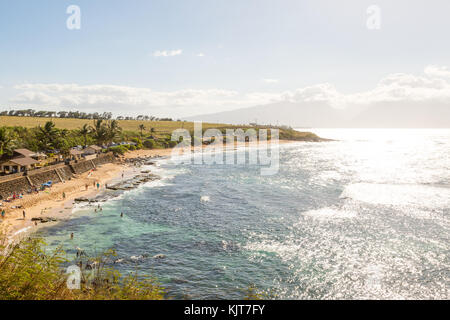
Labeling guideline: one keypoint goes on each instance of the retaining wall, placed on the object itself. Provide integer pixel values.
(19, 183)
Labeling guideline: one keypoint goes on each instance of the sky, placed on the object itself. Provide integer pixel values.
(182, 58)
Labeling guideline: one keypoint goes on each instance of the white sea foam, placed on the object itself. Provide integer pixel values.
(204, 199)
(21, 231)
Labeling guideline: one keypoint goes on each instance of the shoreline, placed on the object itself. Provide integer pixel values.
(50, 203)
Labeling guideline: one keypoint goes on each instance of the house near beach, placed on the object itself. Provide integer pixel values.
(93, 149)
(75, 154)
(21, 161)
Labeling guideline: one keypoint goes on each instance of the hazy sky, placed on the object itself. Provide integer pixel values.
(178, 58)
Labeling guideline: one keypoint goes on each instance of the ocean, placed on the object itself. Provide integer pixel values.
(364, 217)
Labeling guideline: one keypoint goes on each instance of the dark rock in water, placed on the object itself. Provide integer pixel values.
(81, 199)
(44, 219)
(133, 182)
(179, 281)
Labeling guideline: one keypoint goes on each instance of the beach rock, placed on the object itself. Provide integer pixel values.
(44, 219)
(159, 256)
(81, 199)
(179, 281)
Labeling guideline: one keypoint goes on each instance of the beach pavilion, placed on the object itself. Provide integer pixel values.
(18, 164)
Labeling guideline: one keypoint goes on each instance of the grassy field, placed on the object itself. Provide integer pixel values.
(161, 127)
(127, 125)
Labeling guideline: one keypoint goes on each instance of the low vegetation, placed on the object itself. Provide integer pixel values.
(29, 271)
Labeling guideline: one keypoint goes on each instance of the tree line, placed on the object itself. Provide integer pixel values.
(48, 138)
(77, 115)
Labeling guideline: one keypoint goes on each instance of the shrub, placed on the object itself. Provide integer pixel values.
(149, 144)
(138, 142)
(118, 149)
(29, 271)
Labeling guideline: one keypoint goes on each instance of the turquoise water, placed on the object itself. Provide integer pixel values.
(363, 217)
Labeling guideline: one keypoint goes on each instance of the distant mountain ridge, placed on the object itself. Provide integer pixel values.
(322, 115)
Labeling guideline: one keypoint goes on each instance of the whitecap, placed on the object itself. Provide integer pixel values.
(21, 231)
(204, 199)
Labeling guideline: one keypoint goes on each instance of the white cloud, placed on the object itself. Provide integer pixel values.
(166, 53)
(123, 99)
(134, 100)
(394, 87)
(437, 71)
(267, 80)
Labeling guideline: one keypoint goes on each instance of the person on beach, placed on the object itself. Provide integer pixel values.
(24, 214)
(121, 214)
(86, 186)
(71, 236)
(64, 195)
(3, 213)
(98, 185)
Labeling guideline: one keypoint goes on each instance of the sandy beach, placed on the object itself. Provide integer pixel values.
(50, 203)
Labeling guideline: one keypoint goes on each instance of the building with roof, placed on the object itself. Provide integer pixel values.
(20, 161)
(18, 164)
(93, 149)
(75, 154)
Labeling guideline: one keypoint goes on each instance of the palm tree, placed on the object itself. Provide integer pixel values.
(84, 131)
(113, 130)
(5, 141)
(48, 135)
(99, 131)
(142, 128)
